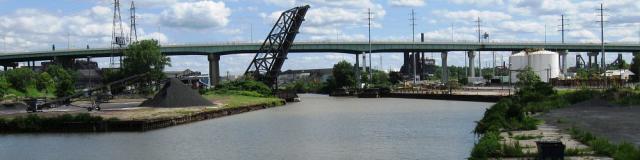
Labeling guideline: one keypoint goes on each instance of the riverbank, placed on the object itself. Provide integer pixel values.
(569, 117)
(128, 117)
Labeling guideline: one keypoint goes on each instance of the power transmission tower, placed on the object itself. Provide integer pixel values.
(133, 33)
(117, 33)
(562, 25)
(413, 41)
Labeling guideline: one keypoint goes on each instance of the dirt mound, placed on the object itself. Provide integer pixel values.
(176, 94)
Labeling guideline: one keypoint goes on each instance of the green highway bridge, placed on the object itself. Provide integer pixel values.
(336, 47)
(214, 51)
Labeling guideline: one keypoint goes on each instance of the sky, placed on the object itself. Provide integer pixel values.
(34, 25)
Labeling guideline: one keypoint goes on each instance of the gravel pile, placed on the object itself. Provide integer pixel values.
(176, 94)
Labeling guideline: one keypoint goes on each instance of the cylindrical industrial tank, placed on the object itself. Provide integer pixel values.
(544, 63)
(517, 61)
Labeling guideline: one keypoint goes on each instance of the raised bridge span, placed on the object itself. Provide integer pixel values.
(214, 51)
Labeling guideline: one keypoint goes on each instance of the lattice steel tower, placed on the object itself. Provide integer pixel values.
(117, 34)
(133, 33)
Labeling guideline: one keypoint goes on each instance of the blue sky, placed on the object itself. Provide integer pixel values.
(28, 25)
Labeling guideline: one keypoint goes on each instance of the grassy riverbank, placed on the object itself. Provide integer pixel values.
(503, 118)
(45, 121)
(518, 113)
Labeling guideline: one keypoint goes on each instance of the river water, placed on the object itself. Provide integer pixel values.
(319, 127)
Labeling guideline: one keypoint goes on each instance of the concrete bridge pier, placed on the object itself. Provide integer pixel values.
(593, 55)
(357, 70)
(445, 68)
(472, 68)
(563, 61)
(214, 69)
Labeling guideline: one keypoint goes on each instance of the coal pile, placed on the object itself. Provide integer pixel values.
(173, 94)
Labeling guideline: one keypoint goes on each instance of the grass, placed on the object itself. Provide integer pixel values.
(602, 146)
(233, 100)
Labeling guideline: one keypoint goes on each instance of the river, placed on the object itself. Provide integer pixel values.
(319, 127)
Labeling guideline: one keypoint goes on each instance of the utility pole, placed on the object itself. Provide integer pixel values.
(562, 24)
(369, 13)
(413, 42)
(251, 32)
(604, 63)
(479, 42)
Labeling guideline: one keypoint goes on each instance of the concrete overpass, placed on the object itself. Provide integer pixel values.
(214, 51)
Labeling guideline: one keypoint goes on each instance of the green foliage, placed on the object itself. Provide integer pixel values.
(622, 151)
(305, 86)
(380, 79)
(488, 146)
(244, 87)
(580, 95)
(64, 80)
(343, 75)
(46, 82)
(4, 86)
(145, 57)
(21, 78)
(395, 77)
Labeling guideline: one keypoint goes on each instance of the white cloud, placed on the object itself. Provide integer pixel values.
(282, 2)
(470, 15)
(196, 15)
(479, 2)
(407, 3)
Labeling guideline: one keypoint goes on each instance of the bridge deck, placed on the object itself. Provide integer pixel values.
(318, 47)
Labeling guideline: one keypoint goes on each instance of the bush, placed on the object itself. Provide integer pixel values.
(627, 151)
(245, 85)
(21, 78)
(623, 151)
(488, 146)
(580, 95)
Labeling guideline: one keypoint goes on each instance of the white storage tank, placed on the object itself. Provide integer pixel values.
(544, 63)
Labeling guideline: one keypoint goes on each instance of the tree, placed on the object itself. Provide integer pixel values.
(380, 79)
(145, 57)
(21, 78)
(64, 80)
(45, 82)
(4, 86)
(530, 88)
(343, 74)
(395, 77)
